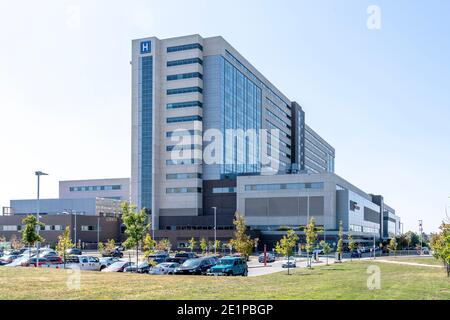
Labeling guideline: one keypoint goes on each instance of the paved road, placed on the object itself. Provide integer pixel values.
(256, 269)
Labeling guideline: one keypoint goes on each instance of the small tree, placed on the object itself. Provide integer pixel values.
(440, 244)
(64, 243)
(148, 245)
(29, 233)
(287, 244)
(164, 245)
(351, 245)
(393, 245)
(326, 248)
(136, 227)
(340, 244)
(100, 247)
(110, 245)
(217, 245)
(16, 244)
(241, 241)
(311, 237)
(203, 245)
(192, 244)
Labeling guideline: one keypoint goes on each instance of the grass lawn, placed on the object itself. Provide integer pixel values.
(415, 259)
(337, 281)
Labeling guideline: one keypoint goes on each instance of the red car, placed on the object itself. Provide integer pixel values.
(32, 262)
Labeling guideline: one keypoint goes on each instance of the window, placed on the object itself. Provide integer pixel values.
(88, 228)
(185, 47)
(184, 190)
(11, 228)
(173, 176)
(189, 75)
(53, 228)
(184, 90)
(184, 62)
(95, 188)
(184, 119)
(284, 186)
(188, 104)
(224, 190)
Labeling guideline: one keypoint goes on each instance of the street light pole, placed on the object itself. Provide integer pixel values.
(215, 230)
(38, 174)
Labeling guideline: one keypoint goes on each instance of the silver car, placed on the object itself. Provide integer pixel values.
(164, 268)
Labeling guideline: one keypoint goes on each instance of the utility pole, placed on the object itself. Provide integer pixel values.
(215, 230)
(38, 174)
(421, 235)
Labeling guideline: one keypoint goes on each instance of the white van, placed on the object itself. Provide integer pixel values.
(79, 262)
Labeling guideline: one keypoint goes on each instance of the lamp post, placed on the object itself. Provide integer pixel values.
(421, 236)
(38, 174)
(215, 229)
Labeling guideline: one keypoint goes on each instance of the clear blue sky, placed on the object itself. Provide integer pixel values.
(380, 97)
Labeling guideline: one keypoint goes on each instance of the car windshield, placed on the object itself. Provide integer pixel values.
(192, 263)
(226, 261)
(143, 264)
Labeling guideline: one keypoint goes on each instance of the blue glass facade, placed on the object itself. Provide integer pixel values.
(147, 131)
(241, 109)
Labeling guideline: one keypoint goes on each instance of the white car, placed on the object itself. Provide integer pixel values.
(164, 268)
(289, 262)
(83, 263)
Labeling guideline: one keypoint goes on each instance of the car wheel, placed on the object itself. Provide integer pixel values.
(245, 273)
(230, 273)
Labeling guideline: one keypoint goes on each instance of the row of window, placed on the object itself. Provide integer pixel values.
(185, 47)
(184, 190)
(284, 186)
(356, 228)
(278, 119)
(315, 162)
(175, 176)
(95, 188)
(224, 190)
(256, 79)
(200, 228)
(181, 76)
(184, 90)
(46, 228)
(184, 147)
(172, 162)
(273, 149)
(273, 126)
(184, 119)
(187, 104)
(312, 137)
(183, 133)
(182, 62)
(273, 104)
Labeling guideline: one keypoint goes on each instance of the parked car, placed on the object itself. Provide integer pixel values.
(33, 261)
(158, 257)
(164, 268)
(7, 259)
(174, 260)
(83, 263)
(195, 266)
(230, 266)
(184, 256)
(289, 262)
(143, 267)
(118, 266)
(425, 250)
(356, 254)
(74, 251)
(106, 262)
(47, 254)
(317, 251)
(18, 261)
(115, 253)
(270, 257)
